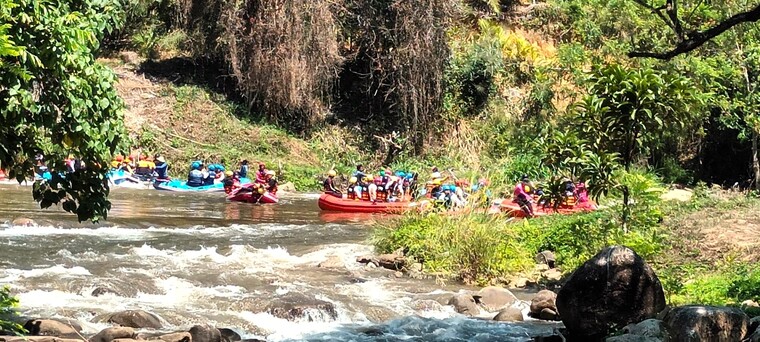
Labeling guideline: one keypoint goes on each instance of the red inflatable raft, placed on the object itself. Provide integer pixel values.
(332, 203)
(513, 209)
(250, 197)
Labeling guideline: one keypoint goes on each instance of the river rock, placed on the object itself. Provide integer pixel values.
(295, 307)
(24, 222)
(205, 333)
(649, 328)
(426, 305)
(632, 338)
(611, 290)
(110, 334)
(464, 304)
(100, 290)
(229, 335)
(36, 339)
(332, 261)
(287, 187)
(390, 261)
(49, 327)
(754, 324)
(510, 314)
(135, 319)
(547, 258)
(544, 305)
(182, 336)
(494, 298)
(706, 323)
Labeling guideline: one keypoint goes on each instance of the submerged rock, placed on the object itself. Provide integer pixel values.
(49, 327)
(494, 298)
(510, 314)
(707, 323)
(295, 307)
(464, 304)
(611, 290)
(332, 261)
(24, 221)
(135, 319)
(544, 305)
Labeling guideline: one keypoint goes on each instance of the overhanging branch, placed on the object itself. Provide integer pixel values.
(697, 39)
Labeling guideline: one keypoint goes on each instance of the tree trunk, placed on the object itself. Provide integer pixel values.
(755, 161)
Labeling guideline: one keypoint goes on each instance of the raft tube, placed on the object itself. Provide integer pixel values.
(247, 196)
(332, 203)
(513, 209)
(180, 186)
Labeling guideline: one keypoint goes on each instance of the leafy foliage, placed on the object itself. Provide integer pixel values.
(8, 304)
(56, 99)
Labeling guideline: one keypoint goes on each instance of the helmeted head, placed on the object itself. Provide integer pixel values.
(262, 166)
(409, 176)
(353, 180)
(127, 160)
(401, 174)
(270, 173)
(332, 173)
(435, 175)
(228, 174)
(212, 167)
(119, 158)
(447, 188)
(382, 173)
(161, 159)
(195, 165)
(525, 178)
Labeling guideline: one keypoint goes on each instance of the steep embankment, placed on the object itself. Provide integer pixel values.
(190, 122)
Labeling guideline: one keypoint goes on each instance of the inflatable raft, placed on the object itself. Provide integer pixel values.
(246, 195)
(332, 203)
(513, 209)
(180, 186)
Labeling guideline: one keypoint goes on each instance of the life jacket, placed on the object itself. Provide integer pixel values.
(144, 168)
(351, 193)
(115, 164)
(328, 185)
(243, 171)
(272, 186)
(195, 178)
(210, 178)
(161, 169)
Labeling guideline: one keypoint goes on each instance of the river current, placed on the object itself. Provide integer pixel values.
(197, 259)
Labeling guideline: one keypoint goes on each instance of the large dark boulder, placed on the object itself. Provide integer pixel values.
(295, 307)
(205, 333)
(611, 290)
(138, 319)
(114, 333)
(229, 335)
(706, 323)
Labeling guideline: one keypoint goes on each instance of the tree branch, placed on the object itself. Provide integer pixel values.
(671, 7)
(697, 39)
(655, 10)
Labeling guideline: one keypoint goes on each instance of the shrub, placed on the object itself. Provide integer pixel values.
(8, 304)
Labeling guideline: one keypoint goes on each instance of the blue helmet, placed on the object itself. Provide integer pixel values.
(400, 174)
(409, 176)
(219, 167)
(212, 167)
(195, 165)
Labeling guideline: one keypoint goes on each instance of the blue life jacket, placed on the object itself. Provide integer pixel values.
(210, 179)
(195, 178)
(161, 169)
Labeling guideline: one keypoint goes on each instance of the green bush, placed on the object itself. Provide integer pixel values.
(730, 284)
(8, 304)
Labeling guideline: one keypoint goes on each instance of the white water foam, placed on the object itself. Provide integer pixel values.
(120, 233)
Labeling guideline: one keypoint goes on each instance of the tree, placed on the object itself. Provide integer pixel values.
(55, 99)
(687, 30)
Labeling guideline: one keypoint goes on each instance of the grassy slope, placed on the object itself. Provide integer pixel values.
(186, 123)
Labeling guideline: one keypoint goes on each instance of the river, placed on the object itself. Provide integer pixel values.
(196, 258)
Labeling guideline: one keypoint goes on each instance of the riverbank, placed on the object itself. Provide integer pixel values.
(701, 247)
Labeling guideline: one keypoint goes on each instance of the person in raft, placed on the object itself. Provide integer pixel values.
(360, 176)
(195, 177)
(243, 168)
(261, 174)
(162, 169)
(231, 181)
(329, 185)
(522, 195)
(271, 182)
